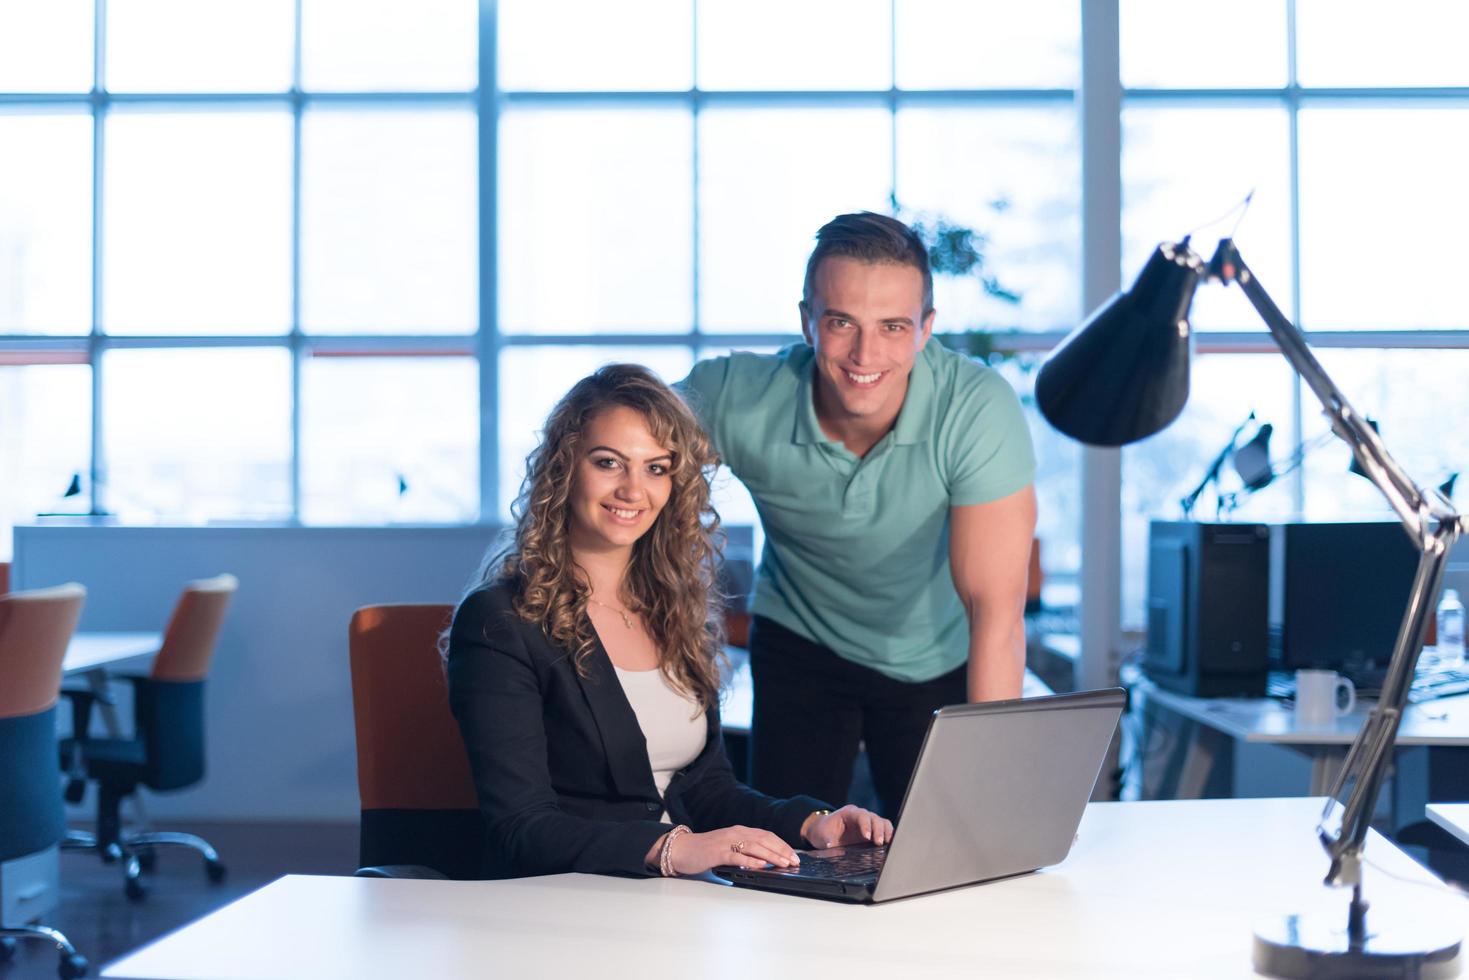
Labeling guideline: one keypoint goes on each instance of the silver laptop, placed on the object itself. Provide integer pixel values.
(998, 791)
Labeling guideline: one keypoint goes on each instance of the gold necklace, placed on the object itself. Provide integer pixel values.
(626, 618)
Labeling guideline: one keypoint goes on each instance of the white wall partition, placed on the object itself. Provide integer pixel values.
(279, 698)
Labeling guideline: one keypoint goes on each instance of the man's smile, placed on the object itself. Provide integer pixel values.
(864, 380)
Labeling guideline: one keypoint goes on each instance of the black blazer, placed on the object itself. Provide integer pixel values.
(559, 762)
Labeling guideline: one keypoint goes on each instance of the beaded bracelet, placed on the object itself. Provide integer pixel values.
(665, 855)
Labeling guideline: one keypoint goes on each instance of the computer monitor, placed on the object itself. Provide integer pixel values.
(1337, 595)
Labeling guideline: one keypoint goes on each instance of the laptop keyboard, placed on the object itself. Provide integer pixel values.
(848, 864)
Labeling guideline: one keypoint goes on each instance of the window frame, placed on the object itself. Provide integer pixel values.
(489, 101)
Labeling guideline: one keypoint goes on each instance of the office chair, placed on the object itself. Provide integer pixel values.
(420, 818)
(737, 628)
(35, 627)
(166, 751)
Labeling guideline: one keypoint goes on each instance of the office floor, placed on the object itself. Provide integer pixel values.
(100, 921)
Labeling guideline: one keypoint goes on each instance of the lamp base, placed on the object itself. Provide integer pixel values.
(1319, 947)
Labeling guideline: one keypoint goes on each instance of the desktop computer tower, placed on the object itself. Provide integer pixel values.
(1208, 608)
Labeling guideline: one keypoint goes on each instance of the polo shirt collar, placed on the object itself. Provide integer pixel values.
(808, 429)
(914, 418)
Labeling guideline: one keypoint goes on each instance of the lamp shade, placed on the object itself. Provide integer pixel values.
(1123, 374)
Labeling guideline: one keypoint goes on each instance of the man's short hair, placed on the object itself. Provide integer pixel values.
(874, 238)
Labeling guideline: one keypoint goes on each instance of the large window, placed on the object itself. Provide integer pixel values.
(330, 261)
(315, 260)
(1348, 141)
(239, 260)
(663, 170)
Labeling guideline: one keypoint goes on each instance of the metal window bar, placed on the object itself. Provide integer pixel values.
(488, 101)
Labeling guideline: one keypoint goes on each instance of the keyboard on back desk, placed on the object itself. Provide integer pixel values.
(1428, 685)
(1439, 684)
(847, 864)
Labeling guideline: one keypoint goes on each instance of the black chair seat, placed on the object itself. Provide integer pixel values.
(120, 761)
(448, 842)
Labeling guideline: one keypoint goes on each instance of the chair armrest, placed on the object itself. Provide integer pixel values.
(400, 871)
(81, 708)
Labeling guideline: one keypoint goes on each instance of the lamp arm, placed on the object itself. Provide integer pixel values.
(1417, 510)
(1432, 524)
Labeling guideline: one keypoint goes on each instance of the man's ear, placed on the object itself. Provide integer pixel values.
(808, 329)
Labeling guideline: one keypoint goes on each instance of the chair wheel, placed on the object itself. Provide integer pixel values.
(147, 858)
(7, 950)
(75, 965)
(135, 889)
(215, 870)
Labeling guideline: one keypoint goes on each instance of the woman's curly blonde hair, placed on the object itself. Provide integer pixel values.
(670, 581)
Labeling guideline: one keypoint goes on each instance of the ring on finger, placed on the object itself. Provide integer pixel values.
(738, 847)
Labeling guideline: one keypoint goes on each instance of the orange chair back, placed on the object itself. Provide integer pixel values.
(737, 629)
(35, 628)
(189, 640)
(409, 752)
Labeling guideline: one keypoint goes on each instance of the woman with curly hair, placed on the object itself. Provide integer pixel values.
(583, 668)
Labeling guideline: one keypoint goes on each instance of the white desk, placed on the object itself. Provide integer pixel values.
(1150, 890)
(1453, 817)
(89, 651)
(91, 654)
(1441, 723)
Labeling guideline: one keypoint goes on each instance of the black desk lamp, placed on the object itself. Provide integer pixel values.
(1123, 376)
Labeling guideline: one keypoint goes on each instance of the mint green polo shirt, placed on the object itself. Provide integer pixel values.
(857, 550)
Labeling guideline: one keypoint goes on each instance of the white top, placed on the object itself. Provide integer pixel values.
(1151, 891)
(673, 725)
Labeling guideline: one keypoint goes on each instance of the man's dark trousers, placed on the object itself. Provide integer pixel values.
(813, 708)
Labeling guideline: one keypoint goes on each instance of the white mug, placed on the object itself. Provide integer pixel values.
(1319, 700)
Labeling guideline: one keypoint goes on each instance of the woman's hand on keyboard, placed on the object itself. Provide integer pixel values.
(740, 847)
(849, 825)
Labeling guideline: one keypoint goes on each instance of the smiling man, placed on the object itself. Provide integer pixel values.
(893, 479)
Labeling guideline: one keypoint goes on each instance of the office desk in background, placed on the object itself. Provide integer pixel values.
(91, 651)
(739, 699)
(1150, 890)
(1202, 756)
(90, 655)
(1453, 817)
(738, 709)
